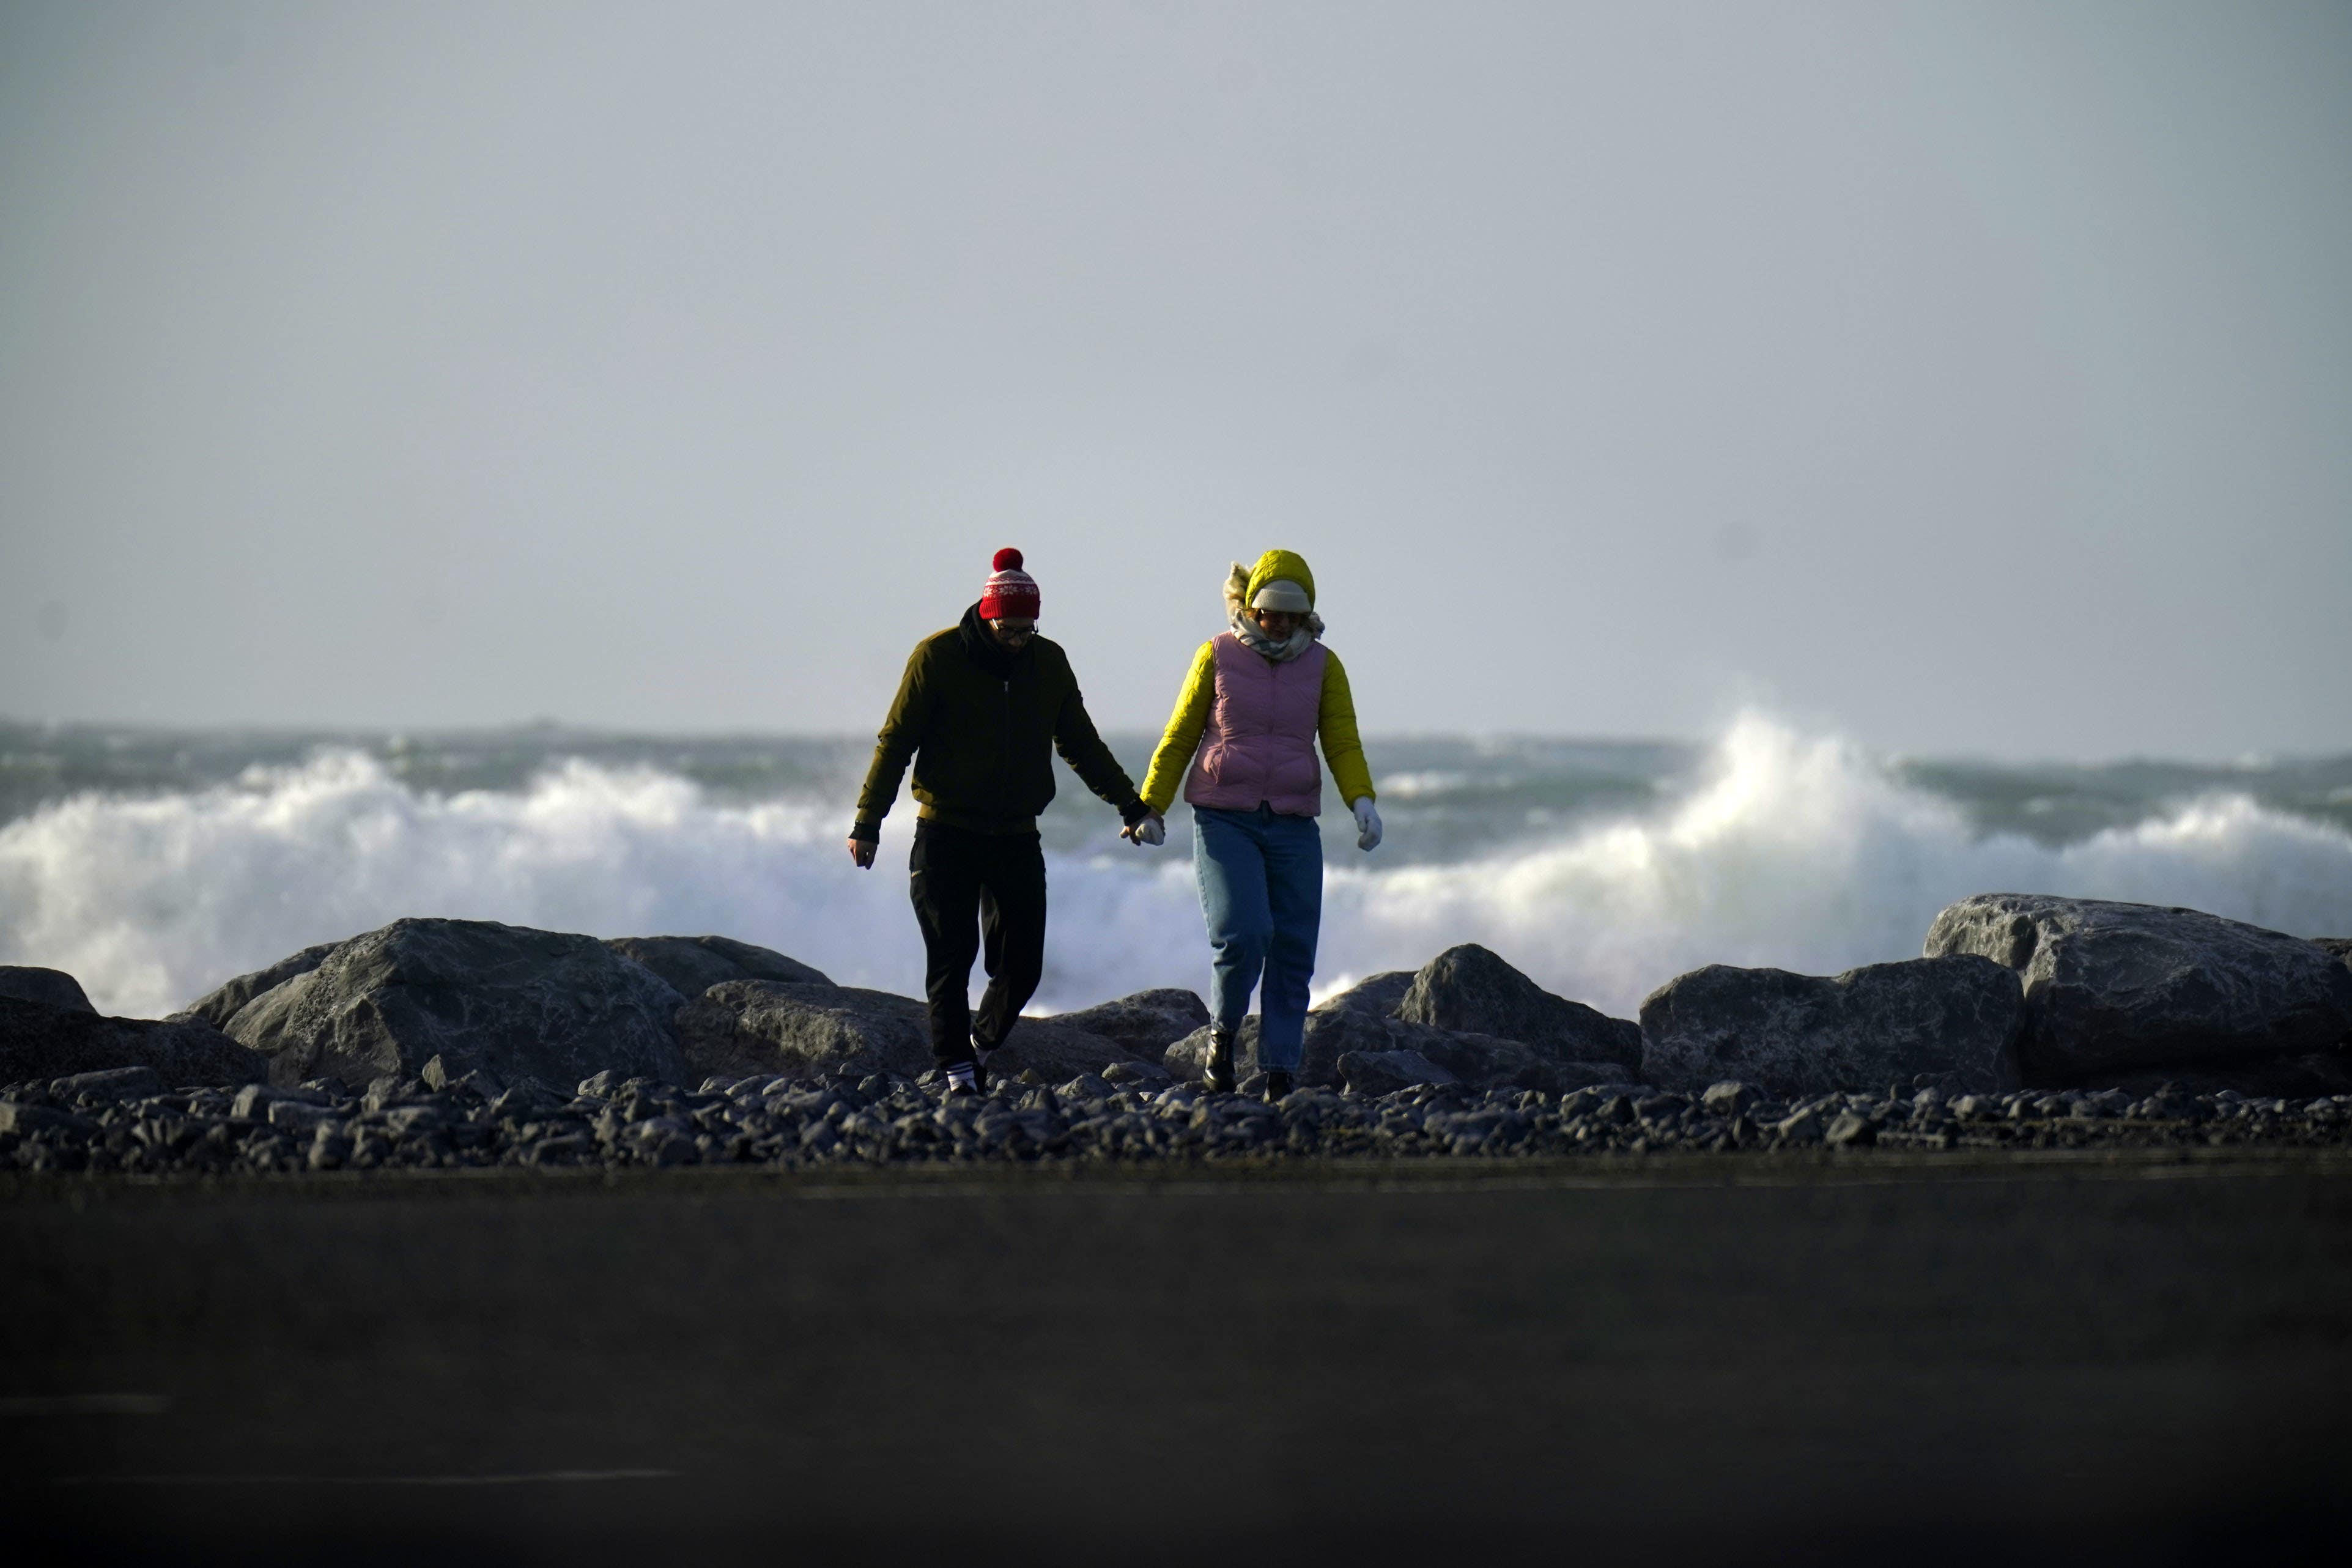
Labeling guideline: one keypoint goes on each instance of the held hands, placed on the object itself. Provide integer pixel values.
(1152, 830)
(1367, 824)
(861, 851)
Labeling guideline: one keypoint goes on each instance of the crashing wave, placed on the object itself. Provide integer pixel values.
(1792, 850)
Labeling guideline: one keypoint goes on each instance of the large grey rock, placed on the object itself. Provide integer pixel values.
(1360, 1018)
(223, 1002)
(2112, 987)
(49, 988)
(1380, 996)
(742, 1027)
(1468, 990)
(1338, 1029)
(2281, 1078)
(2341, 946)
(1369, 1017)
(25, 1119)
(1335, 1029)
(1385, 1072)
(1955, 1019)
(111, 1083)
(505, 999)
(1145, 1024)
(1485, 1062)
(42, 1042)
(1057, 1051)
(693, 964)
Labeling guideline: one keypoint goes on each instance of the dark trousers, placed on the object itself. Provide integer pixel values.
(976, 891)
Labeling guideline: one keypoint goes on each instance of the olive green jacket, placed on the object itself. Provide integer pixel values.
(981, 724)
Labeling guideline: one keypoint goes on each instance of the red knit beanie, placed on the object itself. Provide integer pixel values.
(1010, 593)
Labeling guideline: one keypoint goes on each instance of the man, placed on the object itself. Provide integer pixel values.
(979, 707)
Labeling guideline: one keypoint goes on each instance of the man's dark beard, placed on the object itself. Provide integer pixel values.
(981, 641)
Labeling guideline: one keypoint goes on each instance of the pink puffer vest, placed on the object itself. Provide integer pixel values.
(1259, 742)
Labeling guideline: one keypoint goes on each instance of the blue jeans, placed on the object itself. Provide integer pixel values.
(1262, 893)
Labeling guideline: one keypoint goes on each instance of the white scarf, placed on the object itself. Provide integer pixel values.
(1237, 617)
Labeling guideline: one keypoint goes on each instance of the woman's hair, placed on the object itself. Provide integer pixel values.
(1236, 590)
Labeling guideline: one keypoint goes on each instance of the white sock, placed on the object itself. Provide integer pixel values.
(959, 1076)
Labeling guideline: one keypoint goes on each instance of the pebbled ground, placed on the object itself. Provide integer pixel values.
(70, 1127)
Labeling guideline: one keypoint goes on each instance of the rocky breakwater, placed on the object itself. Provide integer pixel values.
(1950, 1021)
(809, 1031)
(48, 1030)
(515, 1001)
(1466, 1017)
(2022, 991)
(446, 1044)
(436, 1000)
(2132, 995)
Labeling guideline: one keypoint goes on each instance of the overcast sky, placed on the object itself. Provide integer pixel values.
(1968, 378)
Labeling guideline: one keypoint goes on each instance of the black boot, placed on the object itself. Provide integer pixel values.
(1221, 1060)
(1277, 1085)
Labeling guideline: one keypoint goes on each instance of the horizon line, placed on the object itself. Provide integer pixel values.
(552, 728)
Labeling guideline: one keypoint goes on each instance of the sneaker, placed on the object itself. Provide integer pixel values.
(1221, 1060)
(980, 1055)
(1277, 1085)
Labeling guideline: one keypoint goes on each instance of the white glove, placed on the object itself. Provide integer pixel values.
(1151, 830)
(1367, 824)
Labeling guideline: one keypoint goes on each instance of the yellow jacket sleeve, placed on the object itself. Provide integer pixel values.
(1173, 755)
(1336, 725)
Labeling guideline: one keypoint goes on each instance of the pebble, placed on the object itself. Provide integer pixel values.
(1851, 1128)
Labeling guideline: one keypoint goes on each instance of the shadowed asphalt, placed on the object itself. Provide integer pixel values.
(2141, 1360)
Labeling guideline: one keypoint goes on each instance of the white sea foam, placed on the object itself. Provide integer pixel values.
(1791, 850)
(1803, 853)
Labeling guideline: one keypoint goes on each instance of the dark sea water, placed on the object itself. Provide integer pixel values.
(153, 864)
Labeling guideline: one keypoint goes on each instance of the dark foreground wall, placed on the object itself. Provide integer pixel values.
(2137, 1363)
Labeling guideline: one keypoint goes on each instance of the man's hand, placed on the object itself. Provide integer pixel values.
(861, 850)
(1152, 829)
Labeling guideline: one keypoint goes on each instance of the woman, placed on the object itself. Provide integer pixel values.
(1256, 699)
